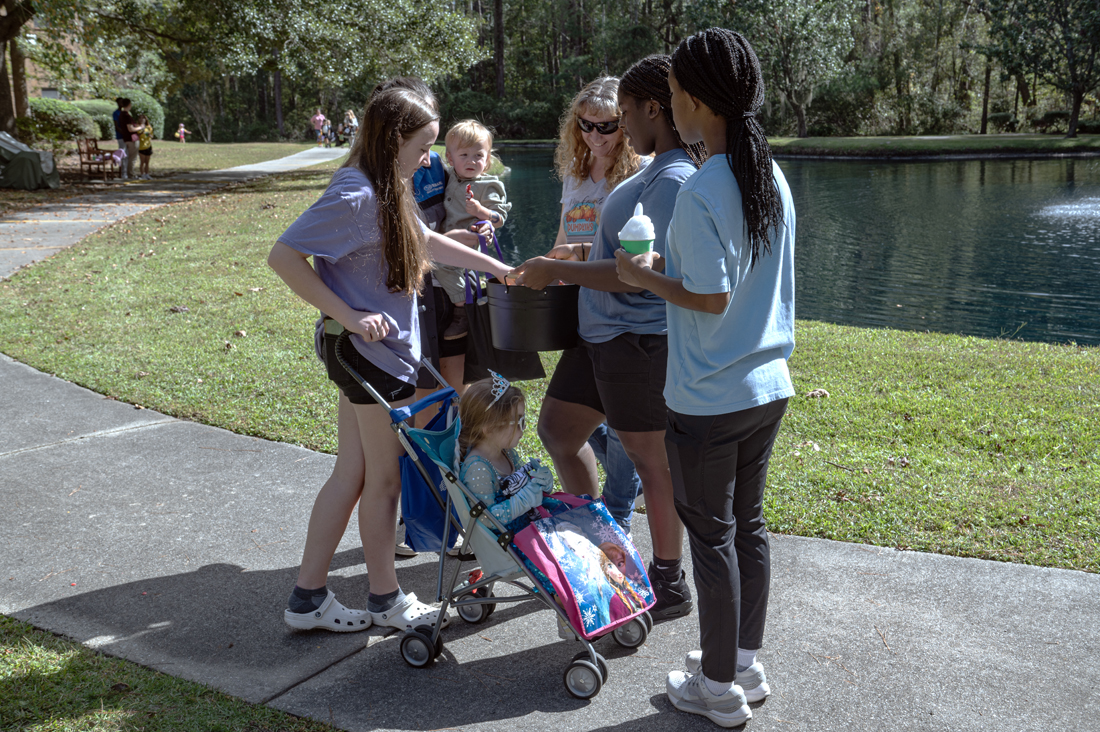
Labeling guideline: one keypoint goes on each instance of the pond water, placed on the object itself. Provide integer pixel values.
(977, 247)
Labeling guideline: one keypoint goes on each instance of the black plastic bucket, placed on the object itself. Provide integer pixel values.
(522, 319)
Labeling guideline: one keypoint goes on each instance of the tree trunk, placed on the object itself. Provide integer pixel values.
(7, 110)
(800, 115)
(277, 88)
(985, 99)
(498, 44)
(1022, 87)
(19, 79)
(261, 95)
(1075, 112)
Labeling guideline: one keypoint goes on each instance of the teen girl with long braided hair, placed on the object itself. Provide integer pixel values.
(370, 252)
(729, 283)
(617, 372)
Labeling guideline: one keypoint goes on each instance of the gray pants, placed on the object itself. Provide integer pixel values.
(131, 153)
(719, 465)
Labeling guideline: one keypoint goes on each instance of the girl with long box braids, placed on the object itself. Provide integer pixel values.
(729, 283)
(617, 371)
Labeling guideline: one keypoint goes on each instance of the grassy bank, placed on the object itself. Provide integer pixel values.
(49, 683)
(937, 146)
(939, 443)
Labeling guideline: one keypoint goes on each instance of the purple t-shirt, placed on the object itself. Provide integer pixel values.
(340, 230)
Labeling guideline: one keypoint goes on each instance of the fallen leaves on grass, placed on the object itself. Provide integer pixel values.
(816, 393)
(179, 309)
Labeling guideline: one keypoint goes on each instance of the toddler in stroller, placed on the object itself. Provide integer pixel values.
(574, 557)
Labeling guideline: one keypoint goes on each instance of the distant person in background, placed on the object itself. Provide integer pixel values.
(129, 128)
(326, 133)
(119, 138)
(145, 147)
(318, 120)
(182, 133)
(351, 126)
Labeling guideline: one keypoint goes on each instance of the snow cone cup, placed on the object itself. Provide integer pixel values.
(636, 247)
(637, 236)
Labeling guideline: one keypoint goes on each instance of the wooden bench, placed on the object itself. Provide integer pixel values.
(92, 158)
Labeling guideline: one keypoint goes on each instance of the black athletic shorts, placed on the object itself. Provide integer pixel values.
(146, 153)
(391, 388)
(623, 379)
(436, 312)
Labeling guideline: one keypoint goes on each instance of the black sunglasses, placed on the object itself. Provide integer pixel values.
(604, 128)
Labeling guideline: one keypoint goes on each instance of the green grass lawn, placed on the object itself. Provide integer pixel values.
(169, 158)
(934, 145)
(49, 683)
(939, 443)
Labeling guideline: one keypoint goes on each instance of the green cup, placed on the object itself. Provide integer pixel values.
(637, 247)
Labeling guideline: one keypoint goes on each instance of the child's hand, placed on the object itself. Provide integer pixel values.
(543, 478)
(371, 326)
(476, 209)
(529, 496)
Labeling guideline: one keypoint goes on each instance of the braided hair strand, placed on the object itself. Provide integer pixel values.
(719, 68)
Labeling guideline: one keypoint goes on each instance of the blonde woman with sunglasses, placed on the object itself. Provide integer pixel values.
(592, 158)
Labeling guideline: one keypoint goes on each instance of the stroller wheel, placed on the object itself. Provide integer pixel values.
(632, 634)
(417, 650)
(648, 620)
(582, 679)
(605, 672)
(426, 631)
(477, 613)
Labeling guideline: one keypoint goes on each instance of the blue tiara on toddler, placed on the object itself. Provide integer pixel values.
(500, 385)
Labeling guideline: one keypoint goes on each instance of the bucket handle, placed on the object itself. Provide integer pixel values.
(472, 279)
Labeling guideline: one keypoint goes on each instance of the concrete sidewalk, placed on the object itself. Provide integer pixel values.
(34, 234)
(175, 545)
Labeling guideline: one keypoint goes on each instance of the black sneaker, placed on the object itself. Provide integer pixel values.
(673, 598)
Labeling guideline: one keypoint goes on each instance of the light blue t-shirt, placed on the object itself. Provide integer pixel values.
(605, 315)
(718, 364)
(340, 230)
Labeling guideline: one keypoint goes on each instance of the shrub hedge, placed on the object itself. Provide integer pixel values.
(145, 104)
(102, 113)
(53, 119)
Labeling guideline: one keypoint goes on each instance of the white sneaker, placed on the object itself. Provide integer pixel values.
(402, 549)
(752, 680)
(565, 632)
(689, 693)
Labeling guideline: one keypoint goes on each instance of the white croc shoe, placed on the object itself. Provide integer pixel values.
(408, 614)
(330, 616)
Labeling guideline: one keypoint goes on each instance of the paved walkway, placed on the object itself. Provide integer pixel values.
(174, 545)
(34, 234)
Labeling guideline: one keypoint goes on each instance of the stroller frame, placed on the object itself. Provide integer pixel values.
(475, 601)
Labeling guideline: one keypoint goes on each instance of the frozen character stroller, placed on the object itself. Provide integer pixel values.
(572, 557)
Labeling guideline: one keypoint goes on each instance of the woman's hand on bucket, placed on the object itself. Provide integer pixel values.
(371, 326)
(536, 273)
(570, 252)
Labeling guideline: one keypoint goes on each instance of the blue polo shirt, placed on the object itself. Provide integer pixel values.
(605, 315)
(737, 359)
